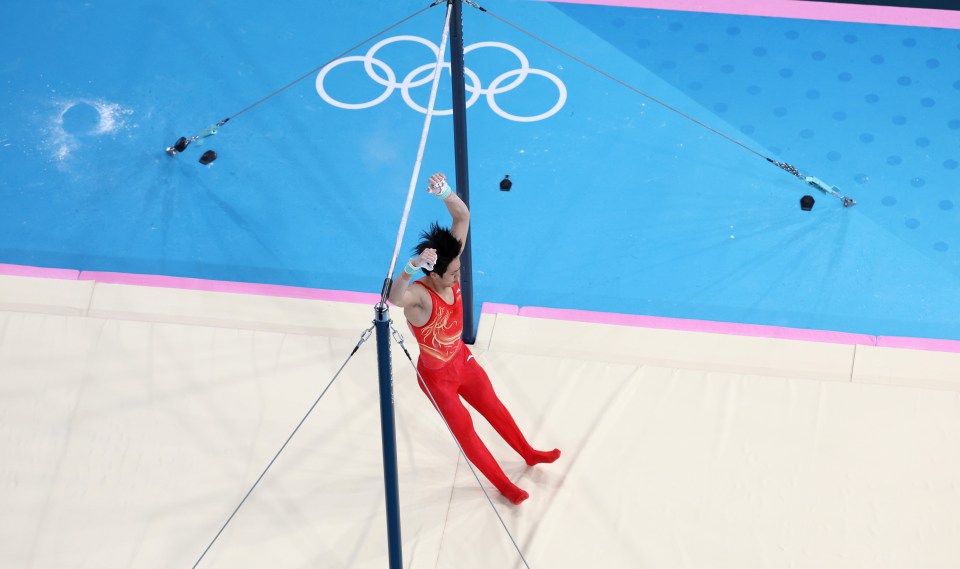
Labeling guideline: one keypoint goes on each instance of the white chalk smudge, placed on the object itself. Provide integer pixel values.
(111, 119)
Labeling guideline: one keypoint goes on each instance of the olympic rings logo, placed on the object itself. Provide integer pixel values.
(384, 75)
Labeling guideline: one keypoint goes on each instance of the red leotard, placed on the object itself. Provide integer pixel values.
(450, 372)
(439, 338)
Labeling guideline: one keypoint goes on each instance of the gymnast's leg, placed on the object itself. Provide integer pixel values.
(477, 390)
(449, 405)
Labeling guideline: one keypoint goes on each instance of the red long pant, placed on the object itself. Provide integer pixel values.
(463, 377)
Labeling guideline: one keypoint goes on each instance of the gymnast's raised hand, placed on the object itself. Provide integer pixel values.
(438, 186)
(425, 260)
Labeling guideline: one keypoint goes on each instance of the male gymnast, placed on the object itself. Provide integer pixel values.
(434, 310)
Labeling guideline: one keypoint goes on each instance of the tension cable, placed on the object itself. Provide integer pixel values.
(363, 338)
(181, 144)
(811, 180)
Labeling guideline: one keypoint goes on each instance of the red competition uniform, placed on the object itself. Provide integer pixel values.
(450, 372)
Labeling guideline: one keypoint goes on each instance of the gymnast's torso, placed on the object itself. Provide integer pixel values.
(440, 337)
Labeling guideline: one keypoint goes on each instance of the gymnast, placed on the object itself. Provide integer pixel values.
(434, 312)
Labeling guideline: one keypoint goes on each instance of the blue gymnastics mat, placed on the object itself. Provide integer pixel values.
(618, 204)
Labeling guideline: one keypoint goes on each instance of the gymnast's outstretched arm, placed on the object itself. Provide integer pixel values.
(458, 210)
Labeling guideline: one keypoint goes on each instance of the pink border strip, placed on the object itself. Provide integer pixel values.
(730, 328)
(39, 272)
(919, 344)
(922, 17)
(494, 308)
(231, 287)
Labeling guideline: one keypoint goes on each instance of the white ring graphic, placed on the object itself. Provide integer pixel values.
(372, 66)
(474, 92)
(369, 58)
(491, 99)
(383, 97)
(524, 64)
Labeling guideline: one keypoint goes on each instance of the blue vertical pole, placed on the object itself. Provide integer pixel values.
(460, 154)
(388, 430)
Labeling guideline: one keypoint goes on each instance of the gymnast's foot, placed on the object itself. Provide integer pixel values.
(516, 495)
(542, 457)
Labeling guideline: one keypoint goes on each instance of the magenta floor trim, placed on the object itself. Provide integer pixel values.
(699, 326)
(39, 272)
(231, 287)
(657, 322)
(494, 308)
(928, 344)
(836, 12)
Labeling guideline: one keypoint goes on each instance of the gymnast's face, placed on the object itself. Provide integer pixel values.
(451, 276)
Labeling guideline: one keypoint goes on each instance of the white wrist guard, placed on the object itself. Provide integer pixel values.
(442, 191)
(412, 268)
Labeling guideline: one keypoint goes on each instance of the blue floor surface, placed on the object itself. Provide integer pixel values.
(618, 203)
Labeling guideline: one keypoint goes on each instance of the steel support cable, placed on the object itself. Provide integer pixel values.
(617, 80)
(790, 169)
(345, 53)
(398, 338)
(363, 338)
(212, 129)
(415, 175)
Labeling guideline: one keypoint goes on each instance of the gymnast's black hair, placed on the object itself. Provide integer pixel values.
(448, 247)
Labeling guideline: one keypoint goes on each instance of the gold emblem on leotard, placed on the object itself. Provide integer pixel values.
(440, 337)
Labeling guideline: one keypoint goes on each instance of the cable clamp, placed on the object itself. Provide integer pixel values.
(397, 336)
(366, 335)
